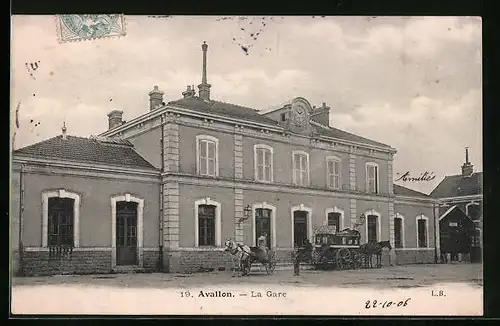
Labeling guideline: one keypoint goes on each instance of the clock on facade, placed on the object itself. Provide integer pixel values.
(300, 115)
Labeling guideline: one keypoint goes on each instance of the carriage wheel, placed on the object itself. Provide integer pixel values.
(271, 262)
(344, 258)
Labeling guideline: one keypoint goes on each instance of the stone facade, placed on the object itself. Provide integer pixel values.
(170, 195)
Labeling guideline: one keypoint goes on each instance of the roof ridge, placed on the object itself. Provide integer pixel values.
(349, 133)
(105, 140)
(395, 184)
(237, 105)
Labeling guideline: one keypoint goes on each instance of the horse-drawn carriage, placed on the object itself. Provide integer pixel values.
(336, 249)
(245, 256)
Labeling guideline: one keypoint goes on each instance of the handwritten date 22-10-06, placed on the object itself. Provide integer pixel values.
(386, 304)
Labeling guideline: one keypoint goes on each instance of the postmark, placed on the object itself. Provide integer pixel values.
(71, 28)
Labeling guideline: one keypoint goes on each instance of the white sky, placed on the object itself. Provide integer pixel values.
(412, 83)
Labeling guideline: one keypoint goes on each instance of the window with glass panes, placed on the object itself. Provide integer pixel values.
(334, 220)
(60, 221)
(333, 173)
(207, 157)
(206, 225)
(300, 169)
(372, 178)
(263, 164)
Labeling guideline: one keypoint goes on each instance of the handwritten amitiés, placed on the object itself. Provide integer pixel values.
(426, 176)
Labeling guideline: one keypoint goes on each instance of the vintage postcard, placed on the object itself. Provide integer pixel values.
(261, 165)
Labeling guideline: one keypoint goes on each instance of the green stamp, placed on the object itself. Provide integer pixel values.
(87, 27)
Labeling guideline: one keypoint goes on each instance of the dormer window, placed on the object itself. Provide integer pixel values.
(283, 117)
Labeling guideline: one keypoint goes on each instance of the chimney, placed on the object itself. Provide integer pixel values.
(467, 167)
(204, 87)
(155, 98)
(321, 115)
(64, 131)
(115, 118)
(189, 92)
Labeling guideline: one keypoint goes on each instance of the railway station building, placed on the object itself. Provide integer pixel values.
(162, 191)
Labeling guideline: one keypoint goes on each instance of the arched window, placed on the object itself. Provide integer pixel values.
(335, 217)
(422, 231)
(372, 226)
(207, 223)
(399, 231)
(207, 155)
(61, 218)
(263, 163)
(264, 221)
(301, 224)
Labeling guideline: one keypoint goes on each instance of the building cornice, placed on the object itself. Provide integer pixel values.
(460, 198)
(353, 143)
(172, 109)
(267, 187)
(406, 199)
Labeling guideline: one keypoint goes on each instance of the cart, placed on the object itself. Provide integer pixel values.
(336, 249)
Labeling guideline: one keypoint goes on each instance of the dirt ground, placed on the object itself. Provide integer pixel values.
(352, 292)
(393, 277)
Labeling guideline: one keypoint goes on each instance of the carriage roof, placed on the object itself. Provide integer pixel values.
(332, 231)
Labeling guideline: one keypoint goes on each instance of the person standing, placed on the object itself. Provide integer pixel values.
(262, 245)
(262, 241)
(296, 261)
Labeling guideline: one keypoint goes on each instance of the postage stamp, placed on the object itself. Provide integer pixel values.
(86, 27)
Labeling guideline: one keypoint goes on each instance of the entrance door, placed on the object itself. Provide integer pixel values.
(299, 228)
(263, 225)
(126, 233)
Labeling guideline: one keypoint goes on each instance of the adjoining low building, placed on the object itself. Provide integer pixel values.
(162, 191)
(461, 232)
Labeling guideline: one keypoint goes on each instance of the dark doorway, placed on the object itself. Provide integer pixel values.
(263, 224)
(456, 232)
(299, 228)
(372, 228)
(398, 231)
(126, 233)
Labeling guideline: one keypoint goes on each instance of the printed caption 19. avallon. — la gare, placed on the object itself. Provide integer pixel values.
(227, 294)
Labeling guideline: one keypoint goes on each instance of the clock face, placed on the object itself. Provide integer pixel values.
(300, 114)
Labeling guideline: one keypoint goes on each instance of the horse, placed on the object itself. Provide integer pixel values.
(241, 254)
(374, 248)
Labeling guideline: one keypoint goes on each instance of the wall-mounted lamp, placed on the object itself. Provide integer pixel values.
(247, 212)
